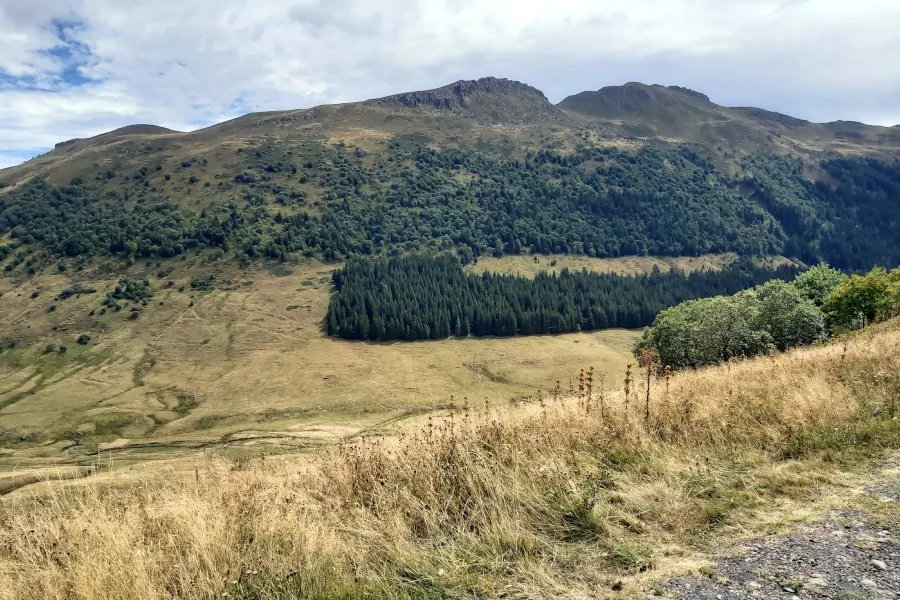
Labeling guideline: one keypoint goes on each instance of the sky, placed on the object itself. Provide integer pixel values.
(77, 68)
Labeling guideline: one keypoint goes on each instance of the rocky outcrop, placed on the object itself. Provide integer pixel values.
(456, 94)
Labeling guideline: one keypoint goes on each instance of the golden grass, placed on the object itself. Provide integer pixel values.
(526, 265)
(253, 358)
(627, 265)
(562, 496)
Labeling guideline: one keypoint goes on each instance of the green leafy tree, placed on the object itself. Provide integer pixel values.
(707, 331)
(818, 282)
(787, 315)
(774, 315)
(863, 299)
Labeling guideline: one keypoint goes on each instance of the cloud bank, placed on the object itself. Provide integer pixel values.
(76, 68)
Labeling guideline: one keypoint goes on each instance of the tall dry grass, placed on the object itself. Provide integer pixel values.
(566, 493)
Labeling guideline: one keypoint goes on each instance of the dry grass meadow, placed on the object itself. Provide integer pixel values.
(557, 497)
(241, 368)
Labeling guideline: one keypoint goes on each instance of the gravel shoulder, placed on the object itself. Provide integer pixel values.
(852, 554)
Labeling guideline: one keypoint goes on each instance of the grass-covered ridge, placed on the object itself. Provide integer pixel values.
(566, 495)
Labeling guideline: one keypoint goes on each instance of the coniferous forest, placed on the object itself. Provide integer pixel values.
(418, 297)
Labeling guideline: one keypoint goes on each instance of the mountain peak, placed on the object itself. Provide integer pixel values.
(488, 100)
(689, 92)
(643, 109)
(456, 94)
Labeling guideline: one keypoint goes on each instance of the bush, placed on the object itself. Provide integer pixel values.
(129, 289)
(76, 290)
(788, 316)
(203, 282)
(775, 315)
(707, 331)
(863, 299)
(819, 282)
(84, 339)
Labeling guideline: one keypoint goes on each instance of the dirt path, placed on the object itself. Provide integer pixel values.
(851, 554)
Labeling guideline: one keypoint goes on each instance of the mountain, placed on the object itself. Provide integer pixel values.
(485, 166)
(683, 114)
(162, 287)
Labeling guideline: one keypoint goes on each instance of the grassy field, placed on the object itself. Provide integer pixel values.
(529, 266)
(557, 498)
(244, 363)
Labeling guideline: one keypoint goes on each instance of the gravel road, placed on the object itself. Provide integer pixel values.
(852, 555)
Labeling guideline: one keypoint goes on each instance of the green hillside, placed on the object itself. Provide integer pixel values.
(171, 288)
(483, 167)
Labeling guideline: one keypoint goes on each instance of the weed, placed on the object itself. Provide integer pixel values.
(632, 557)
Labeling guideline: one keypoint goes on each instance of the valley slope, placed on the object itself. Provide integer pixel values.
(236, 228)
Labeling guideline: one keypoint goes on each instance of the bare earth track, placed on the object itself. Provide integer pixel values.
(851, 553)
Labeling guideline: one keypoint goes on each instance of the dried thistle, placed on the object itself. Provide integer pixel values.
(628, 382)
(649, 360)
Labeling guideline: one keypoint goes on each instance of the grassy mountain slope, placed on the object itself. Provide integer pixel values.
(683, 114)
(238, 357)
(487, 167)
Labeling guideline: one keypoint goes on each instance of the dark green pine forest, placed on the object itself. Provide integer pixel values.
(423, 297)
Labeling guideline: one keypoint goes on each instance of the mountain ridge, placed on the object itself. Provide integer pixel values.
(632, 109)
(481, 166)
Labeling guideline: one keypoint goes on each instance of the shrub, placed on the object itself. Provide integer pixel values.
(203, 282)
(818, 282)
(788, 316)
(774, 315)
(84, 339)
(863, 299)
(129, 289)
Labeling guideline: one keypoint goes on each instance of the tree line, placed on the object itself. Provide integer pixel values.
(418, 297)
(776, 315)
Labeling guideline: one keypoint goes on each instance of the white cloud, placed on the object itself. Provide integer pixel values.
(190, 62)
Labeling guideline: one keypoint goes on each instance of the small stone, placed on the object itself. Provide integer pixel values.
(817, 582)
(868, 583)
(878, 564)
(754, 585)
(789, 590)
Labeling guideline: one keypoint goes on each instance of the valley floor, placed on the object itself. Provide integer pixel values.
(242, 366)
